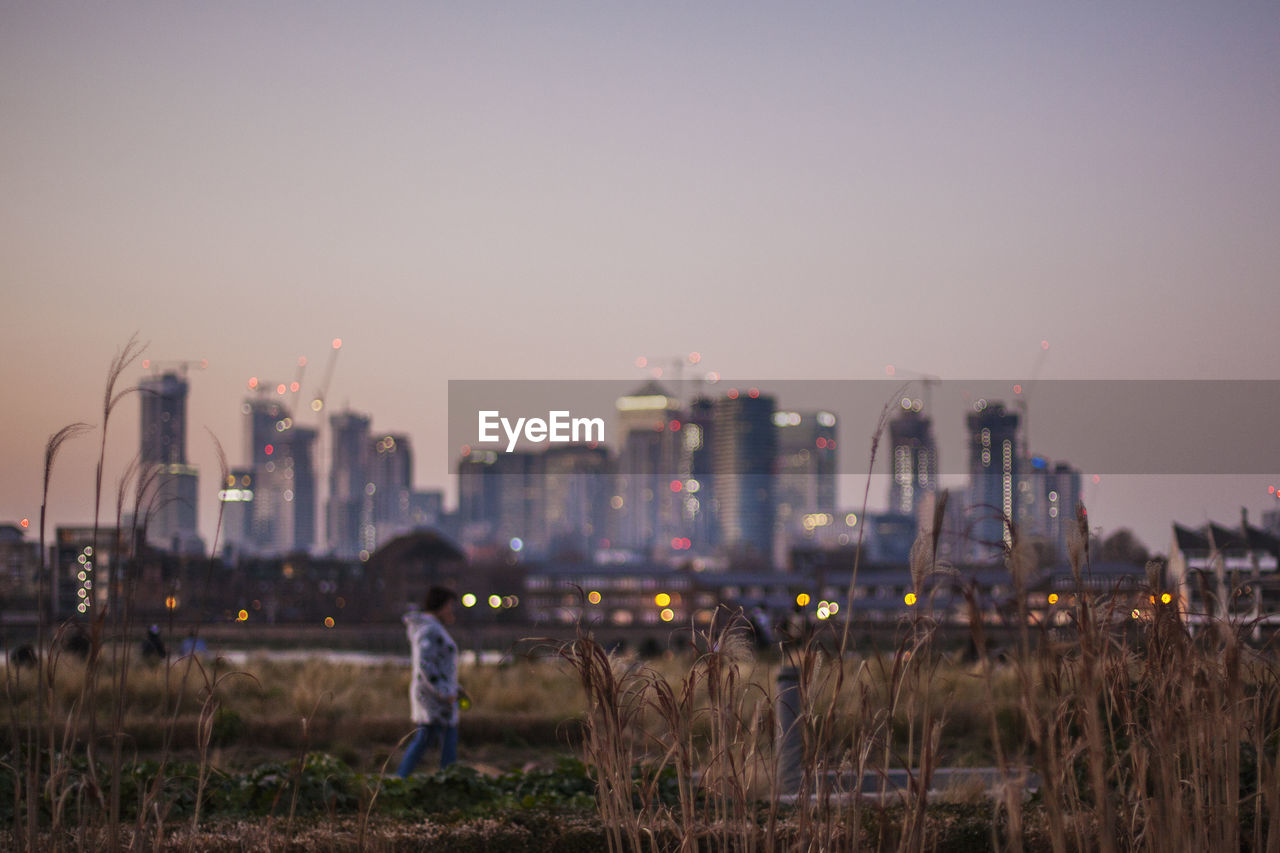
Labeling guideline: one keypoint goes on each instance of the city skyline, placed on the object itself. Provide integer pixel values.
(510, 192)
(331, 448)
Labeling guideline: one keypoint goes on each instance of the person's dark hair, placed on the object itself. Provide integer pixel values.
(438, 597)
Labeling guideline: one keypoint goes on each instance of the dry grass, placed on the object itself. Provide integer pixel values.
(1130, 736)
(1157, 741)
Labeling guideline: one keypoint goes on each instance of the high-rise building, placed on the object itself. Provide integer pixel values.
(521, 522)
(301, 471)
(236, 523)
(745, 452)
(647, 501)
(478, 488)
(500, 500)
(348, 482)
(698, 507)
(19, 568)
(1045, 502)
(1062, 495)
(577, 486)
(283, 471)
(993, 474)
(806, 468)
(83, 561)
(914, 459)
(426, 509)
(269, 527)
(163, 427)
(172, 513)
(390, 486)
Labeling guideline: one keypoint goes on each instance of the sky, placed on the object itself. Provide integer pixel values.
(552, 190)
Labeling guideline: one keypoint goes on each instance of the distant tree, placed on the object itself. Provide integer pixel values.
(1123, 547)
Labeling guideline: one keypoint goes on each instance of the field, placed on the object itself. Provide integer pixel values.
(1106, 732)
(1120, 735)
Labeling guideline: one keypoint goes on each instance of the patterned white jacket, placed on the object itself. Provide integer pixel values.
(435, 671)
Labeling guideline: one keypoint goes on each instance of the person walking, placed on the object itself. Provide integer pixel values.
(433, 688)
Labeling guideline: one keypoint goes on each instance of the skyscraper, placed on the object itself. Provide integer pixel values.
(301, 471)
(521, 500)
(237, 498)
(699, 520)
(806, 484)
(914, 460)
(478, 493)
(348, 479)
(269, 528)
(577, 488)
(172, 516)
(646, 504)
(391, 481)
(500, 500)
(993, 473)
(1062, 496)
(746, 451)
(283, 472)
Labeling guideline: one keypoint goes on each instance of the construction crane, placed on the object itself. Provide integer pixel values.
(1024, 394)
(927, 380)
(296, 385)
(318, 399)
(677, 365)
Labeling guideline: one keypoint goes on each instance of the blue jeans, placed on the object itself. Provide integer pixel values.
(429, 736)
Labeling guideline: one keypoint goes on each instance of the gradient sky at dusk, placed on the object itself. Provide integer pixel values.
(548, 190)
